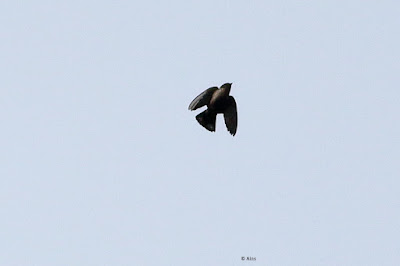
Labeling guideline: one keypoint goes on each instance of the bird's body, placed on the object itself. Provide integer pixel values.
(217, 101)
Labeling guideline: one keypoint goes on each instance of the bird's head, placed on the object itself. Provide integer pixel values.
(226, 87)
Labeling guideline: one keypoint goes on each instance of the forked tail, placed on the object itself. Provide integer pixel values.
(207, 119)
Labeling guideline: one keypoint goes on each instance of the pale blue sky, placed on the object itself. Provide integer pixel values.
(102, 163)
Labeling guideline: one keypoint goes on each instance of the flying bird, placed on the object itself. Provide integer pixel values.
(218, 101)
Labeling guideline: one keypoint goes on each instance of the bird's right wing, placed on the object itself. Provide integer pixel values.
(230, 116)
(203, 99)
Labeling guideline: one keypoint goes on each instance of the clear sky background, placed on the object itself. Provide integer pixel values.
(102, 163)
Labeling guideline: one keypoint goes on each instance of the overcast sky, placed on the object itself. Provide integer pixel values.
(103, 164)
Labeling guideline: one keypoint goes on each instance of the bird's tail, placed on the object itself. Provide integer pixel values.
(207, 119)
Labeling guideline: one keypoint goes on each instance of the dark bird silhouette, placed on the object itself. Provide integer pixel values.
(218, 101)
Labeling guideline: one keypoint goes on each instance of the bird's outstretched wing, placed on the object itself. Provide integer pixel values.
(230, 116)
(203, 99)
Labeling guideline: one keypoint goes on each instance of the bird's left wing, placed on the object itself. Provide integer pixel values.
(203, 99)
